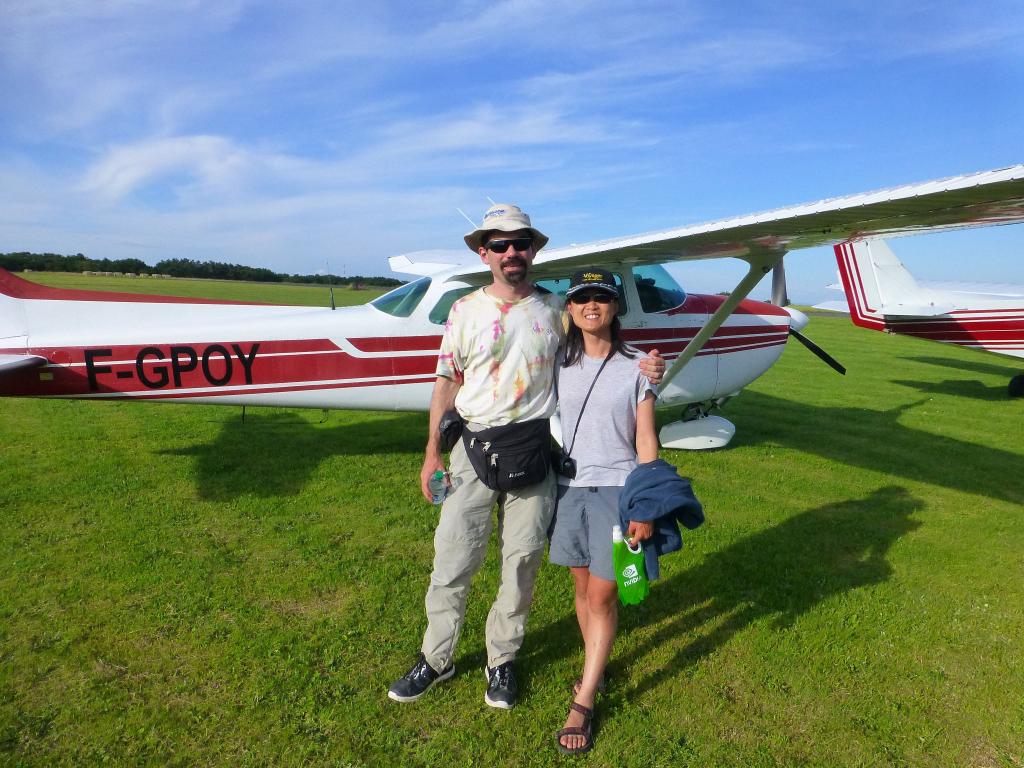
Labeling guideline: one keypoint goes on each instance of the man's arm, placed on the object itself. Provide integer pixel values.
(653, 366)
(443, 399)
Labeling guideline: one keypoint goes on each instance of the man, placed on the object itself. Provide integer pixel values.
(495, 367)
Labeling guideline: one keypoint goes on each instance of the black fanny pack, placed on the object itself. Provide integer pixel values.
(510, 456)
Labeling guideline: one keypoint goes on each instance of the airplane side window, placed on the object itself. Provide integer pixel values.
(560, 285)
(657, 289)
(402, 301)
(439, 314)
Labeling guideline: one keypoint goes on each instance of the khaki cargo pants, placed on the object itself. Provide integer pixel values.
(460, 543)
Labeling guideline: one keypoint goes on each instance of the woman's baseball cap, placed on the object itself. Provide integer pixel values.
(593, 279)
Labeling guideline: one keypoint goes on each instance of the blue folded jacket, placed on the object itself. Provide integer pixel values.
(655, 492)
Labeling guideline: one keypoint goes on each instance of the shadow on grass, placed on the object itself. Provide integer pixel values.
(990, 369)
(971, 388)
(876, 440)
(779, 573)
(276, 454)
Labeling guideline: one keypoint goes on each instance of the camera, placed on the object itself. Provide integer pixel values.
(564, 464)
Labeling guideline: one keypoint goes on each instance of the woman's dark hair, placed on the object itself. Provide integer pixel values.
(574, 342)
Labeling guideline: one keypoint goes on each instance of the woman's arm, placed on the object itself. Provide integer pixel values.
(646, 437)
(646, 450)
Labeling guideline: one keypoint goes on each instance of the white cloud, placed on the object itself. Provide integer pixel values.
(211, 160)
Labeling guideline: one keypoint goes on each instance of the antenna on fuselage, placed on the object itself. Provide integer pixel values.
(330, 288)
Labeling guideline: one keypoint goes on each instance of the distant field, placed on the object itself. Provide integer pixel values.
(179, 587)
(232, 290)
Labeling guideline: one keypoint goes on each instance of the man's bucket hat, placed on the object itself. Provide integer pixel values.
(504, 217)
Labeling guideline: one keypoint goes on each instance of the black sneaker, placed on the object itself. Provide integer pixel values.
(501, 686)
(418, 681)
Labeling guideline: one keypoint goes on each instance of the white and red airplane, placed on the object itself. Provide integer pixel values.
(381, 356)
(882, 295)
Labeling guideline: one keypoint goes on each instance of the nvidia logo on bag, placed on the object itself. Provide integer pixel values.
(630, 574)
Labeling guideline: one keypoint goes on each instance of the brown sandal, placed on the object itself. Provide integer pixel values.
(586, 731)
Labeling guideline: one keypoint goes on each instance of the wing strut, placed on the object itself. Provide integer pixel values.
(760, 265)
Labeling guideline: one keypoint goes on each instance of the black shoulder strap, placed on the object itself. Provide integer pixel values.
(585, 399)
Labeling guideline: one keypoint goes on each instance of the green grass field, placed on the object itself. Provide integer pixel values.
(233, 290)
(179, 587)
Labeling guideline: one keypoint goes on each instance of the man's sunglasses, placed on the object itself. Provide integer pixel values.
(518, 244)
(586, 298)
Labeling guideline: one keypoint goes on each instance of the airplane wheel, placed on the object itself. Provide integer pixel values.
(1016, 388)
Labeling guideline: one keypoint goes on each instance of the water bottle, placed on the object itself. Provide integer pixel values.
(630, 573)
(438, 487)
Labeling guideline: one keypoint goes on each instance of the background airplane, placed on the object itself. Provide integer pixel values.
(92, 345)
(881, 294)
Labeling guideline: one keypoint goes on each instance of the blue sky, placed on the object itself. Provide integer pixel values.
(299, 135)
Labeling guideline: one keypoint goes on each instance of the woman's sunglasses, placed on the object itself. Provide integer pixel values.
(586, 298)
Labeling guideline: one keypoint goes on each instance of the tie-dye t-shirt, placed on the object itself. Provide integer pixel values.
(503, 354)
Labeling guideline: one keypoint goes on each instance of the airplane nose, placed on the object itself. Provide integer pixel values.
(797, 319)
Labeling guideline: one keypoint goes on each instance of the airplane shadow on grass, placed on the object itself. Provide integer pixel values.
(276, 454)
(971, 388)
(779, 573)
(1007, 370)
(876, 440)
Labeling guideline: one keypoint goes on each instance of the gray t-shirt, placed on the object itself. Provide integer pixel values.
(605, 445)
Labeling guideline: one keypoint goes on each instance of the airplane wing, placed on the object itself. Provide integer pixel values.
(992, 291)
(973, 200)
(762, 239)
(16, 362)
(427, 262)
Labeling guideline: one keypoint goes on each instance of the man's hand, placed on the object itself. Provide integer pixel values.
(430, 466)
(639, 531)
(653, 366)
(442, 399)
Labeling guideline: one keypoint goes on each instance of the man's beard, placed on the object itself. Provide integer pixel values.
(515, 278)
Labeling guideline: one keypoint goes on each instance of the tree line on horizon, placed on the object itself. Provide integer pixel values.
(215, 270)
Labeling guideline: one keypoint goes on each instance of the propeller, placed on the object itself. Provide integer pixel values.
(821, 353)
(780, 298)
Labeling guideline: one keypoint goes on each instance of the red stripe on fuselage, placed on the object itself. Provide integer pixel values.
(746, 307)
(159, 370)
(396, 343)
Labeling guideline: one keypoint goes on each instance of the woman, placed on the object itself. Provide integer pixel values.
(606, 410)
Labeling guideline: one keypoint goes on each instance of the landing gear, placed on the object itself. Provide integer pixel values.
(1016, 387)
(698, 431)
(698, 434)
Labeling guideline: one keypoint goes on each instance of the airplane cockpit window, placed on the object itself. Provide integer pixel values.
(439, 314)
(560, 285)
(404, 299)
(657, 289)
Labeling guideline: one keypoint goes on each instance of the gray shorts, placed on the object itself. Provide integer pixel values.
(582, 533)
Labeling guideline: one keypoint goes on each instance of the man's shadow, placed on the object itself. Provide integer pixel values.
(781, 572)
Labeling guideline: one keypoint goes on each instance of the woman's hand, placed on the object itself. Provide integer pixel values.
(639, 531)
